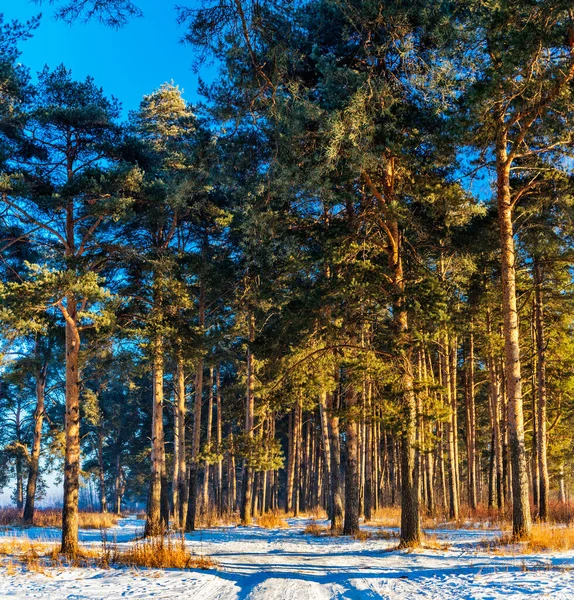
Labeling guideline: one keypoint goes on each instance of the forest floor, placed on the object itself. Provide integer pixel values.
(253, 563)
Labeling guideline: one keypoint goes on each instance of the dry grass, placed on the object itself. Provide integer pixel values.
(53, 518)
(10, 568)
(89, 520)
(15, 546)
(432, 542)
(160, 553)
(313, 528)
(548, 537)
(386, 516)
(545, 537)
(210, 518)
(272, 520)
(316, 513)
(363, 535)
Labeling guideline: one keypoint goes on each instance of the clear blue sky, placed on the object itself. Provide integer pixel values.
(127, 63)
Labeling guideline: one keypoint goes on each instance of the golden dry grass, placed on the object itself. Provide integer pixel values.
(316, 513)
(53, 518)
(432, 542)
(313, 528)
(16, 546)
(161, 553)
(386, 516)
(545, 537)
(11, 568)
(272, 520)
(548, 537)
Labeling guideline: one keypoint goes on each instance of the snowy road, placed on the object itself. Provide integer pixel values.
(259, 564)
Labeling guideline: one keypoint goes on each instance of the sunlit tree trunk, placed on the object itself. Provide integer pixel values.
(72, 428)
(153, 517)
(521, 519)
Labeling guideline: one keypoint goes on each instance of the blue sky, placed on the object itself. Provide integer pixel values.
(127, 63)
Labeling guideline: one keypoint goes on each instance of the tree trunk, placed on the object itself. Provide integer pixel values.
(231, 478)
(471, 425)
(182, 495)
(72, 427)
(494, 404)
(195, 447)
(36, 447)
(206, 469)
(247, 483)
(175, 471)
(153, 517)
(101, 472)
(325, 436)
(351, 521)
(290, 465)
(521, 519)
(562, 485)
(541, 438)
(218, 440)
(336, 483)
(119, 485)
(450, 429)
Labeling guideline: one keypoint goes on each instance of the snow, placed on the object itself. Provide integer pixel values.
(282, 564)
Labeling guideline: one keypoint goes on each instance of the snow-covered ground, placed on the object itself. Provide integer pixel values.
(261, 564)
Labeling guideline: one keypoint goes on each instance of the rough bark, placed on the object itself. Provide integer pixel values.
(72, 426)
(182, 495)
(206, 466)
(101, 472)
(351, 520)
(36, 447)
(471, 426)
(153, 517)
(195, 446)
(521, 519)
(541, 437)
(218, 440)
(245, 512)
